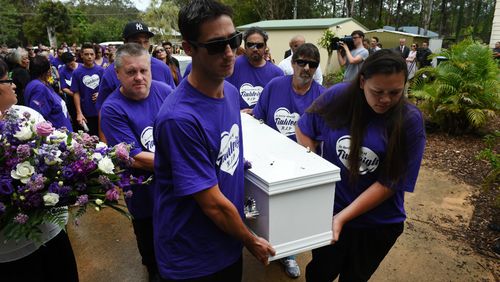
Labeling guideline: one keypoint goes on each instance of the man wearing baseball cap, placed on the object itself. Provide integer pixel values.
(137, 32)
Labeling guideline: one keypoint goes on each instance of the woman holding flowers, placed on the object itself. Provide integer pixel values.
(51, 257)
(377, 139)
(40, 96)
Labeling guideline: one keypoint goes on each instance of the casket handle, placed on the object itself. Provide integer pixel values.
(250, 208)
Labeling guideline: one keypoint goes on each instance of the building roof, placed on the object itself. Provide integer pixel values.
(412, 30)
(299, 24)
(397, 32)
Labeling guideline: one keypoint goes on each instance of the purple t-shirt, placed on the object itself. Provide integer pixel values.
(130, 121)
(43, 99)
(374, 149)
(159, 72)
(250, 81)
(198, 145)
(56, 62)
(281, 107)
(86, 82)
(65, 75)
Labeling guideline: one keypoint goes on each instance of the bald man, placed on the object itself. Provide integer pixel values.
(286, 64)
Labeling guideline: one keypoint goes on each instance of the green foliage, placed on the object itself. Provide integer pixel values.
(9, 33)
(326, 41)
(460, 94)
(490, 154)
(333, 78)
(163, 16)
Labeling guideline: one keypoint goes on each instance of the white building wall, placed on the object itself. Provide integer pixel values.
(495, 29)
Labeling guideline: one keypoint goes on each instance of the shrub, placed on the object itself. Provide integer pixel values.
(490, 154)
(460, 94)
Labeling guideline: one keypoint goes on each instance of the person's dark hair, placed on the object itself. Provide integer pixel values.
(39, 66)
(167, 43)
(197, 12)
(87, 45)
(358, 32)
(67, 57)
(129, 49)
(4, 68)
(351, 110)
(376, 38)
(253, 30)
(307, 50)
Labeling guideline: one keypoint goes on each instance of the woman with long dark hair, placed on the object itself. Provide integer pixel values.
(368, 129)
(160, 53)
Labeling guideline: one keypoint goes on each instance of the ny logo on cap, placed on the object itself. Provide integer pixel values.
(138, 26)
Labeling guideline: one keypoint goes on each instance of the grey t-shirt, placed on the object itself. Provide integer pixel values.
(352, 70)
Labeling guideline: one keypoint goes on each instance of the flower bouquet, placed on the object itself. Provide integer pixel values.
(43, 170)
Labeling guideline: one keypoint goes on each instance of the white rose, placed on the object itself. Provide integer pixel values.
(24, 133)
(57, 137)
(106, 165)
(23, 172)
(99, 202)
(101, 145)
(97, 156)
(50, 199)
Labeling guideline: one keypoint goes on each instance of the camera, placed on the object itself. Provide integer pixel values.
(346, 40)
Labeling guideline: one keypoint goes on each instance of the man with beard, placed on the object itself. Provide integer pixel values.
(252, 72)
(284, 100)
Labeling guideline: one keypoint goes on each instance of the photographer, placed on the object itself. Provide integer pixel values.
(352, 59)
(423, 55)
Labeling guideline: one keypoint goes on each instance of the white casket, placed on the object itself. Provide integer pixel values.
(293, 190)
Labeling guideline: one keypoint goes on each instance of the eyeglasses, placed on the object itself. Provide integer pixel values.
(303, 63)
(258, 45)
(160, 50)
(354, 37)
(6, 81)
(219, 46)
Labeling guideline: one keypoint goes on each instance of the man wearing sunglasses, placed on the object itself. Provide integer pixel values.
(252, 72)
(352, 59)
(198, 228)
(286, 64)
(284, 100)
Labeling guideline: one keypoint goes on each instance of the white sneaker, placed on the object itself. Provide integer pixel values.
(291, 267)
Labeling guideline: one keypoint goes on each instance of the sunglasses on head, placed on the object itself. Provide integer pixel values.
(303, 63)
(259, 45)
(219, 46)
(6, 81)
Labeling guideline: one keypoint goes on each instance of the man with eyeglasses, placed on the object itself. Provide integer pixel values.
(252, 72)
(284, 100)
(198, 216)
(352, 59)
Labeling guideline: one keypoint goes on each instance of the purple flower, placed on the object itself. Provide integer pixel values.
(23, 151)
(112, 194)
(67, 172)
(81, 186)
(104, 181)
(21, 218)
(59, 189)
(82, 200)
(44, 128)
(6, 187)
(122, 152)
(35, 183)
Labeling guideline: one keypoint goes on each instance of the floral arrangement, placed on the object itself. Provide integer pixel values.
(43, 170)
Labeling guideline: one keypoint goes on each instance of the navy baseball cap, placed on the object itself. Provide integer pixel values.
(136, 27)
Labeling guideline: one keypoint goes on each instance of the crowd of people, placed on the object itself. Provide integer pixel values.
(185, 129)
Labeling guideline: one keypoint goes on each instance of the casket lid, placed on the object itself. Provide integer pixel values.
(278, 163)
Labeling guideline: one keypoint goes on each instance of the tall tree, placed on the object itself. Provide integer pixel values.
(9, 33)
(162, 15)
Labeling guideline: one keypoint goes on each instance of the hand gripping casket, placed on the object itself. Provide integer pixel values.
(289, 191)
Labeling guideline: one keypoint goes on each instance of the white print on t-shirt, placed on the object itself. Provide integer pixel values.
(64, 108)
(147, 139)
(285, 121)
(91, 81)
(68, 82)
(250, 93)
(369, 161)
(229, 153)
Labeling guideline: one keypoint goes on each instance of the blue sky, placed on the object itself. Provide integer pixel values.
(141, 4)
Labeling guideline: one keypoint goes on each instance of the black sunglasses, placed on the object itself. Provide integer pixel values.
(259, 45)
(6, 81)
(303, 63)
(219, 46)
